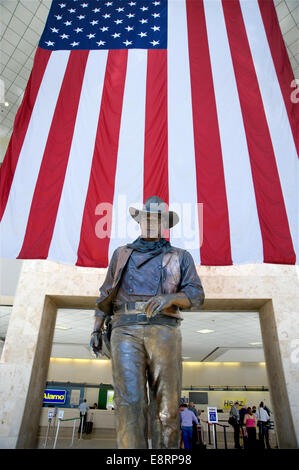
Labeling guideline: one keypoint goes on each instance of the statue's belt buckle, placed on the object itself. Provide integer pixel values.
(139, 305)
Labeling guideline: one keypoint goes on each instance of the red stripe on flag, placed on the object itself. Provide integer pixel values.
(277, 241)
(21, 124)
(156, 129)
(93, 250)
(215, 249)
(48, 189)
(282, 65)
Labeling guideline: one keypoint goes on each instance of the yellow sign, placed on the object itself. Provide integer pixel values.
(227, 402)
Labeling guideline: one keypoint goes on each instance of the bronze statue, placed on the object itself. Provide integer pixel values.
(148, 283)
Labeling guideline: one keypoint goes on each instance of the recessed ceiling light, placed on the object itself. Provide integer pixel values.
(254, 344)
(205, 331)
(62, 327)
(6, 103)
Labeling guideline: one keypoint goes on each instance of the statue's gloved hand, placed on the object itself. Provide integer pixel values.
(96, 343)
(155, 304)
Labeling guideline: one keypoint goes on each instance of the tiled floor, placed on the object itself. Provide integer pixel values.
(106, 439)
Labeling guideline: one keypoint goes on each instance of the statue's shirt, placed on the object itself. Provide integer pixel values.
(141, 278)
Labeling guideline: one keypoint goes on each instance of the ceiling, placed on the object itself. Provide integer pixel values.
(229, 342)
(22, 23)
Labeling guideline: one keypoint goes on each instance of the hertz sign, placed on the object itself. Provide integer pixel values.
(55, 396)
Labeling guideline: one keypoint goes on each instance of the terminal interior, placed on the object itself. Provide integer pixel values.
(223, 361)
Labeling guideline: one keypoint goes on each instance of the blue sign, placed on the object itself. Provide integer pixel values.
(52, 396)
(212, 415)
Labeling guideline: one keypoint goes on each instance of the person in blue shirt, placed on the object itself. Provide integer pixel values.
(187, 417)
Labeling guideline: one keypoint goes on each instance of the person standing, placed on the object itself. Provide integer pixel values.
(187, 418)
(83, 408)
(250, 424)
(235, 422)
(263, 425)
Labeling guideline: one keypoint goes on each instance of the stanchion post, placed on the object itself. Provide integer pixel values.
(225, 442)
(74, 426)
(49, 424)
(215, 436)
(82, 418)
(58, 426)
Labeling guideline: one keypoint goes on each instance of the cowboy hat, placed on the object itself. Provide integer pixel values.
(156, 205)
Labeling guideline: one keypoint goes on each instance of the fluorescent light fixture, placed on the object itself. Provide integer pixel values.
(62, 327)
(187, 357)
(256, 343)
(205, 331)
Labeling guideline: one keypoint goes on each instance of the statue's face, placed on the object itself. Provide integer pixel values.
(151, 225)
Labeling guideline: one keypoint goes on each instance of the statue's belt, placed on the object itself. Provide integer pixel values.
(133, 312)
(129, 307)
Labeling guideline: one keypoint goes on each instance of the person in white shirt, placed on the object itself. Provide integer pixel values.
(83, 408)
(263, 419)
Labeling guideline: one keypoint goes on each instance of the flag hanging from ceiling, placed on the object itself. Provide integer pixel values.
(191, 100)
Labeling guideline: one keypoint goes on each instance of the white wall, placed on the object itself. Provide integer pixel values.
(194, 373)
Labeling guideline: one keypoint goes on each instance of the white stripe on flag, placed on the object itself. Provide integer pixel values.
(15, 218)
(181, 154)
(128, 188)
(245, 233)
(281, 134)
(66, 234)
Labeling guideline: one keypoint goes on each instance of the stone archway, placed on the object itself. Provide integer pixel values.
(45, 286)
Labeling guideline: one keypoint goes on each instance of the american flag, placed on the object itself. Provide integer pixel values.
(191, 100)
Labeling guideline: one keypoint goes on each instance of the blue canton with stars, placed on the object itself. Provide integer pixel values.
(103, 24)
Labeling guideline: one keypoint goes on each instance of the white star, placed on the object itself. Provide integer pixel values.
(156, 28)
(116, 35)
(143, 21)
(75, 43)
(129, 28)
(132, 3)
(119, 9)
(93, 22)
(62, 5)
(101, 43)
(105, 28)
(96, 10)
(90, 35)
(109, 4)
(142, 34)
(156, 15)
(64, 36)
(106, 16)
(80, 17)
(156, 3)
(78, 30)
(154, 43)
(84, 5)
(144, 8)
(127, 43)
(131, 15)
(50, 43)
(67, 23)
(72, 10)
(118, 21)
(54, 30)
(58, 17)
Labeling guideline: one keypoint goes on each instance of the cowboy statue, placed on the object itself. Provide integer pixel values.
(148, 283)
